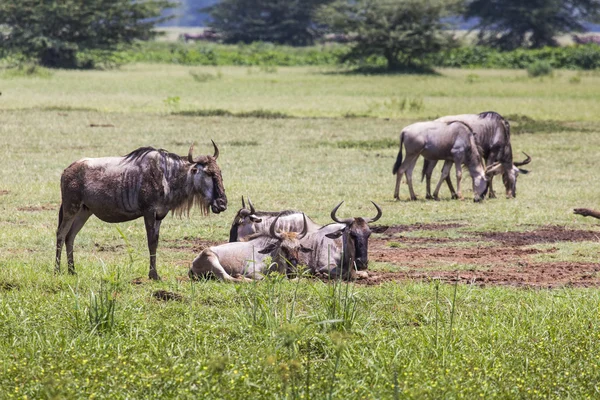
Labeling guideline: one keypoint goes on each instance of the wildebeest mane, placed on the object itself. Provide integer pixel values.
(142, 152)
(506, 154)
(491, 114)
(276, 213)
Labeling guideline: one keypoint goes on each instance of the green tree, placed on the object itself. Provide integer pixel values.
(508, 24)
(277, 21)
(401, 31)
(53, 32)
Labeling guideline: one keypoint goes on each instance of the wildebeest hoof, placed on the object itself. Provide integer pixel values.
(429, 197)
(436, 198)
(154, 276)
(413, 198)
(455, 197)
(492, 195)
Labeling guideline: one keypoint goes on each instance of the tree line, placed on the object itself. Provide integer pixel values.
(403, 32)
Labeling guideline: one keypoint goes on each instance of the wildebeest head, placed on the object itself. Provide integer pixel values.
(509, 174)
(355, 238)
(243, 222)
(206, 180)
(286, 249)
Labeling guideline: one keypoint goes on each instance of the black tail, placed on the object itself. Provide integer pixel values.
(60, 216)
(399, 158)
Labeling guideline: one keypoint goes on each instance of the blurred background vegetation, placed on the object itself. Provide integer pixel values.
(369, 35)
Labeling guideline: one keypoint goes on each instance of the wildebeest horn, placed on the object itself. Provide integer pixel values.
(493, 169)
(343, 221)
(304, 229)
(252, 210)
(379, 213)
(216, 155)
(190, 156)
(272, 229)
(243, 204)
(526, 161)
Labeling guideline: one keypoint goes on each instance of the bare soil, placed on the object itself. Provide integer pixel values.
(490, 258)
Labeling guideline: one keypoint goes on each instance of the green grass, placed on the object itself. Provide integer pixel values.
(282, 339)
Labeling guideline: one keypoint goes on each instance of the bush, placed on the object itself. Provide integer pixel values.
(539, 68)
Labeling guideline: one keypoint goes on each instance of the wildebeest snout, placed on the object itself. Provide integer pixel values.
(219, 205)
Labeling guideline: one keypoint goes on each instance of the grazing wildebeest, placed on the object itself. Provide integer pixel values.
(248, 221)
(586, 212)
(245, 260)
(492, 136)
(337, 249)
(453, 141)
(340, 249)
(145, 183)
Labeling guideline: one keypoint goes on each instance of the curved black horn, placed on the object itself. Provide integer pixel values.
(379, 213)
(216, 155)
(343, 221)
(243, 204)
(272, 229)
(190, 156)
(304, 229)
(525, 162)
(252, 210)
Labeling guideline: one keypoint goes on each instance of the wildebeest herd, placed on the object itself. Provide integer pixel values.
(150, 183)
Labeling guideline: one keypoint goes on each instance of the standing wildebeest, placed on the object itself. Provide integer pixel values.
(245, 260)
(248, 221)
(145, 183)
(452, 141)
(492, 136)
(336, 247)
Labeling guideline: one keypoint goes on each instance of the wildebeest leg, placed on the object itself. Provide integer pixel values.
(65, 220)
(208, 262)
(397, 190)
(445, 174)
(152, 231)
(458, 166)
(428, 167)
(450, 185)
(407, 167)
(490, 160)
(78, 223)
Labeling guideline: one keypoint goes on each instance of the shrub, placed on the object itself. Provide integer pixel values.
(539, 68)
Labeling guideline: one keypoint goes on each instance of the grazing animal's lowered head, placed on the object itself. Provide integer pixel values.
(355, 238)
(243, 222)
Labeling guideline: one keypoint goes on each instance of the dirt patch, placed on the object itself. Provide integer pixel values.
(537, 275)
(101, 247)
(8, 286)
(500, 258)
(43, 207)
(395, 229)
(194, 245)
(4, 192)
(547, 234)
(165, 295)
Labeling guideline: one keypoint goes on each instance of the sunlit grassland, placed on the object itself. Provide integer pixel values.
(413, 340)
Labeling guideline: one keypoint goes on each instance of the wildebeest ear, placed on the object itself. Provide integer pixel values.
(335, 235)
(305, 249)
(254, 219)
(523, 171)
(269, 249)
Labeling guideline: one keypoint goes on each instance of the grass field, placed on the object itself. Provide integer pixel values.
(103, 334)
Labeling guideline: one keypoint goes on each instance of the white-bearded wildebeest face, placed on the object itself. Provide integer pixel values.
(492, 136)
(145, 183)
(451, 142)
(245, 260)
(248, 221)
(340, 249)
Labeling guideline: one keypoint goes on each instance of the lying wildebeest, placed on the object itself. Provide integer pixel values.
(586, 212)
(248, 221)
(245, 260)
(453, 141)
(492, 137)
(145, 183)
(340, 249)
(337, 249)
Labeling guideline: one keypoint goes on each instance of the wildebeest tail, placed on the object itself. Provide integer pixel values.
(60, 215)
(399, 158)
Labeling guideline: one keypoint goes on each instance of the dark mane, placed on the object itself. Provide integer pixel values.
(142, 152)
(492, 115)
